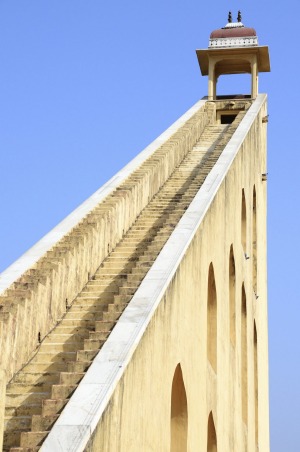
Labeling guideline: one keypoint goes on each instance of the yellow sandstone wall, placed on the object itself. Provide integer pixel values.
(138, 415)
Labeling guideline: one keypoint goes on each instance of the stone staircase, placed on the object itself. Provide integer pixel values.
(38, 393)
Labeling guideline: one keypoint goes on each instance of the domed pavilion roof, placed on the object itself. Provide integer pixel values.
(234, 34)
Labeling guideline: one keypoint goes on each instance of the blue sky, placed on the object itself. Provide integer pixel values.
(86, 85)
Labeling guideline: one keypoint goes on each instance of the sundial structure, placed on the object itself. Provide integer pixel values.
(139, 323)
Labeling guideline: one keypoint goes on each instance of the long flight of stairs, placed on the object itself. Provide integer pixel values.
(38, 393)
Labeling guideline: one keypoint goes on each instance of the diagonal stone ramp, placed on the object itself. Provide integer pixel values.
(38, 393)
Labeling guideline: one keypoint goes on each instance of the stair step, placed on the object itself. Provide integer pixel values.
(140, 271)
(86, 355)
(71, 378)
(89, 324)
(23, 388)
(51, 347)
(15, 400)
(11, 438)
(99, 335)
(135, 278)
(23, 410)
(86, 315)
(92, 298)
(43, 423)
(108, 277)
(36, 377)
(119, 300)
(88, 306)
(61, 338)
(52, 407)
(80, 330)
(62, 391)
(111, 316)
(24, 449)
(33, 439)
(45, 366)
(103, 283)
(78, 366)
(117, 307)
(104, 325)
(142, 266)
(49, 357)
(17, 423)
(127, 290)
(93, 344)
(99, 290)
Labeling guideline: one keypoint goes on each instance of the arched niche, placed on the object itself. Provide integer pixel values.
(255, 383)
(212, 319)
(254, 243)
(244, 356)
(211, 434)
(232, 295)
(244, 222)
(179, 413)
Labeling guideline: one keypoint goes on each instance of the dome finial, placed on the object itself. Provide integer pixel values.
(239, 17)
(229, 17)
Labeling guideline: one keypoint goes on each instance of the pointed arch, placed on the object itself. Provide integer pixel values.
(232, 295)
(244, 358)
(254, 242)
(255, 382)
(244, 222)
(211, 434)
(179, 413)
(212, 318)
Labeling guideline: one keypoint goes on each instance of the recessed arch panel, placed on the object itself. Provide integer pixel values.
(244, 222)
(211, 435)
(212, 319)
(255, 383)
(254, 242)
(232, 314)
(179, 413)
(244, 357)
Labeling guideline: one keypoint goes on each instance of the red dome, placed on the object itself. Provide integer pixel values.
(233, 32)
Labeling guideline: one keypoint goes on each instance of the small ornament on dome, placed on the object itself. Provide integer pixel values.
(229, 17)
(239, 17)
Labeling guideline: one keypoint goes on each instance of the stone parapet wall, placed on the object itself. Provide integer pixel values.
(32, 304)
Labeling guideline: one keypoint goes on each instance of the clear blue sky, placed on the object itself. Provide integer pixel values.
(86, 85)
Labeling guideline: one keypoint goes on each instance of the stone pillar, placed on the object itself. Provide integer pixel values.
(254, 78)
(211, 80)
(216, 76)
(2, 404)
